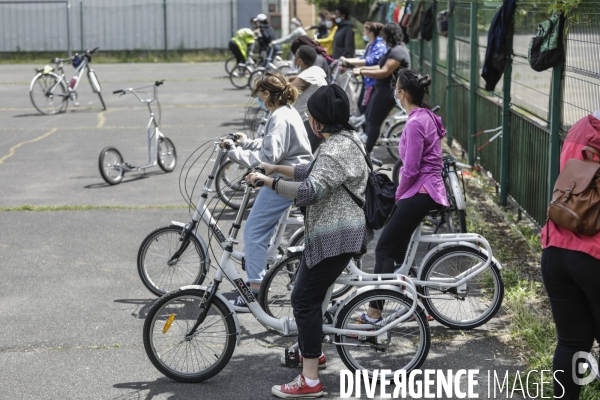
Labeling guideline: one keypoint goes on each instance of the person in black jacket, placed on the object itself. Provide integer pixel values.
(265, 31)
(343, 41)
(321, 26)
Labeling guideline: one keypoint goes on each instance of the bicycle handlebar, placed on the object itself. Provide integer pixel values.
(118, 91)
(158, 83)
(435, 109)
(377, 162)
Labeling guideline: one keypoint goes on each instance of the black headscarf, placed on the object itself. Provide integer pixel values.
(329, 105)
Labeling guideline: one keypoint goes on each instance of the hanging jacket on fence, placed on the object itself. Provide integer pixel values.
(427, 22)
(498, 35)
(415, 21)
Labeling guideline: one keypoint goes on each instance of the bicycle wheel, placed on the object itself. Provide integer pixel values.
(198, 357)
(229, 189)
(255, 76)
(406, 345)
(396, 172)
(469, 305)
(167, 155)
(158, 273)
(239, 76)
(110, 163)
(48, 94)
(230, 64)
(392, 144)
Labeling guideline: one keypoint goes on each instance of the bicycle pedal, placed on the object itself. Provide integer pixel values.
(127, 165)
(291, 358)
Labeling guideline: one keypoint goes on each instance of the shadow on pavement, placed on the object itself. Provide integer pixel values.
(142, 306)
(132, 179)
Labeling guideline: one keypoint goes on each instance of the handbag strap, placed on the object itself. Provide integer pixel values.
(370, 165)
(589, 149)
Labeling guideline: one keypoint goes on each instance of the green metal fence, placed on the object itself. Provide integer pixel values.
(534, 109)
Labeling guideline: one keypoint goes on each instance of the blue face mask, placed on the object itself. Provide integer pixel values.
(338, 20)
(366, 38)
(261, 104)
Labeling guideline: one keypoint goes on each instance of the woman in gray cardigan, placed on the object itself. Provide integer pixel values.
(335, 227)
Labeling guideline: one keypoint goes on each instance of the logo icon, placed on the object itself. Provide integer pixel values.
(581, 363)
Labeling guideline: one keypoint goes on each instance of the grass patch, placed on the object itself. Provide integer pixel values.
(29, 207)
(129, 56)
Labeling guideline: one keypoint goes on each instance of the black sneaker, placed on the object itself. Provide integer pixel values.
(240, 305)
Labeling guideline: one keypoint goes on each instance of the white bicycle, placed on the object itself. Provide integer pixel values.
(459, 280)
(176, 255)
(190, 333)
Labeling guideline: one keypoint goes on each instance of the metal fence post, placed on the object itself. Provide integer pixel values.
(165, 26)
(472, 83)
(232, 18)
(450, 62)
(434, 53)
(506, 122)
(555, 125)
(81, 24)
(68, 29)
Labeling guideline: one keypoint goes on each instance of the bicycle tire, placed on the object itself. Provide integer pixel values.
(254, 76)
(157, 275)
(228, 188)
(166, 154)
(111, 160)
(163, 341)
(39, 93)
(230, 64)
(240, 79)
(395, 129)
(402, 353)
(443, 265)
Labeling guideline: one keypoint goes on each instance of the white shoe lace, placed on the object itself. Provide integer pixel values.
(294, 385)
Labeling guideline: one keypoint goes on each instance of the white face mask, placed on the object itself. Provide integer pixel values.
(338, 20)
(293, 26)
(319, 19)
(398, 102)
(328, 24)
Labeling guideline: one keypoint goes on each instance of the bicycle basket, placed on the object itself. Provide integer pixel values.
(77, 61)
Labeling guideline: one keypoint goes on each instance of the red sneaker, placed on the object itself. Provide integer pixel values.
(322, 361)
(297, 389)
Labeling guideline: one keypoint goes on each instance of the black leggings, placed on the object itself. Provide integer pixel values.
(380, 105)
(307, 300)
(395, 236)
(572, 280)
(236, 52)
(314, 140)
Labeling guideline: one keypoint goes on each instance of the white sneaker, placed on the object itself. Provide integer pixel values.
(363, 137)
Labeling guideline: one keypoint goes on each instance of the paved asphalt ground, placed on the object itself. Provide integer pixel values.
(71, 301)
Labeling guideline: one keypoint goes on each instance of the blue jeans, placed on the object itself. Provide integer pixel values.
(267, 209)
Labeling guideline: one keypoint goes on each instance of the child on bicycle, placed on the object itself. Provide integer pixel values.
(335, 226)
(285, 143)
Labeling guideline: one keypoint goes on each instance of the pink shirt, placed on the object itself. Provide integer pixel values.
(586, 132)
(420, 149)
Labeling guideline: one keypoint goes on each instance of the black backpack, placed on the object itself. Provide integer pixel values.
(380, 197)
(427, 24)
(546, 48)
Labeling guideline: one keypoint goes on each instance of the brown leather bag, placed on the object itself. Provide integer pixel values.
(575, 201)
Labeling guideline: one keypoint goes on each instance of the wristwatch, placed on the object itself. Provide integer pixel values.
(275, 181)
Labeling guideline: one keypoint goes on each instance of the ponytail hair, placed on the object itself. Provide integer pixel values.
(414, 84)
(281, 91)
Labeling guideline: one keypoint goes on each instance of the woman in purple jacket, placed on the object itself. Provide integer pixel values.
(421, 187)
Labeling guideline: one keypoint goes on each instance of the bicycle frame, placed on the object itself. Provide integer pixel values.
(444, 241)
(286, 326)
(203, 213)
